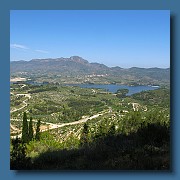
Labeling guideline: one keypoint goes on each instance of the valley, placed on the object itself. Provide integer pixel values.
(66, 112)
(90, 90)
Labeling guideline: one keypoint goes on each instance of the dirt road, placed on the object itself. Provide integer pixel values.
(17, 109)
(55, 126)
(24, 102)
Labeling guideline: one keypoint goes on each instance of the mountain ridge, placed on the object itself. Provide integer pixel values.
(76, 66)
(80, 59)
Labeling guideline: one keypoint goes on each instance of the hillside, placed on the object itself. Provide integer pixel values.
(86, 129)
(65, 66)
(78, 70)
(54, 126)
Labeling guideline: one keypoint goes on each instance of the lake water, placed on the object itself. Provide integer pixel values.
(110, 87)
(114, 87)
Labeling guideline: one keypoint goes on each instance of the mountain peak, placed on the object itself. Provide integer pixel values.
(78, 59)
(72, 58)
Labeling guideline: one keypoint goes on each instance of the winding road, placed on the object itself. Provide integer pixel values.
(55, 126)
(51, 125)
(24, 102)
(17, 109)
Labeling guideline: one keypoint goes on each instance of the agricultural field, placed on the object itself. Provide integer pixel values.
(85, 128)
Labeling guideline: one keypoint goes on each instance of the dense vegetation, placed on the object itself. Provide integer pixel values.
(129, 133)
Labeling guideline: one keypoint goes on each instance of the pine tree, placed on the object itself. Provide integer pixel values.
(25, 129)
(38, 130)
(30, 133)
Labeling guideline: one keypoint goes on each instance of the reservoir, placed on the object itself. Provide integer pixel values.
(108, 87)
(114, 87)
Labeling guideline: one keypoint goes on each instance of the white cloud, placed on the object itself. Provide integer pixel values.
(41, 51)
(18, 46)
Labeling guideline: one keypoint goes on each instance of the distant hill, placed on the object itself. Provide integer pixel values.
(77, 66)
(74, 65)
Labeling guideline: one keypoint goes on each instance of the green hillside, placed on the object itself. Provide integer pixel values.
(89, 129)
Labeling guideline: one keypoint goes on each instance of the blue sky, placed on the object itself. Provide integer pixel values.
(112, 37)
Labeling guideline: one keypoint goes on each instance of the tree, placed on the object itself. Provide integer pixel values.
(18, 158)
(84, 135)
(100, 132)
(37, 137)
(121, 93)
(111, 130)
(25, 137)
(30, 133)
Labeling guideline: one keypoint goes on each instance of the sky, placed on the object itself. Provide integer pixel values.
(124, 38)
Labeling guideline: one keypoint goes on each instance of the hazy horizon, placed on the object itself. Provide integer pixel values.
(93, 62)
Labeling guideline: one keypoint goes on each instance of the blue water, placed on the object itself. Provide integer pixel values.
(110, 87)
(114, 87)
